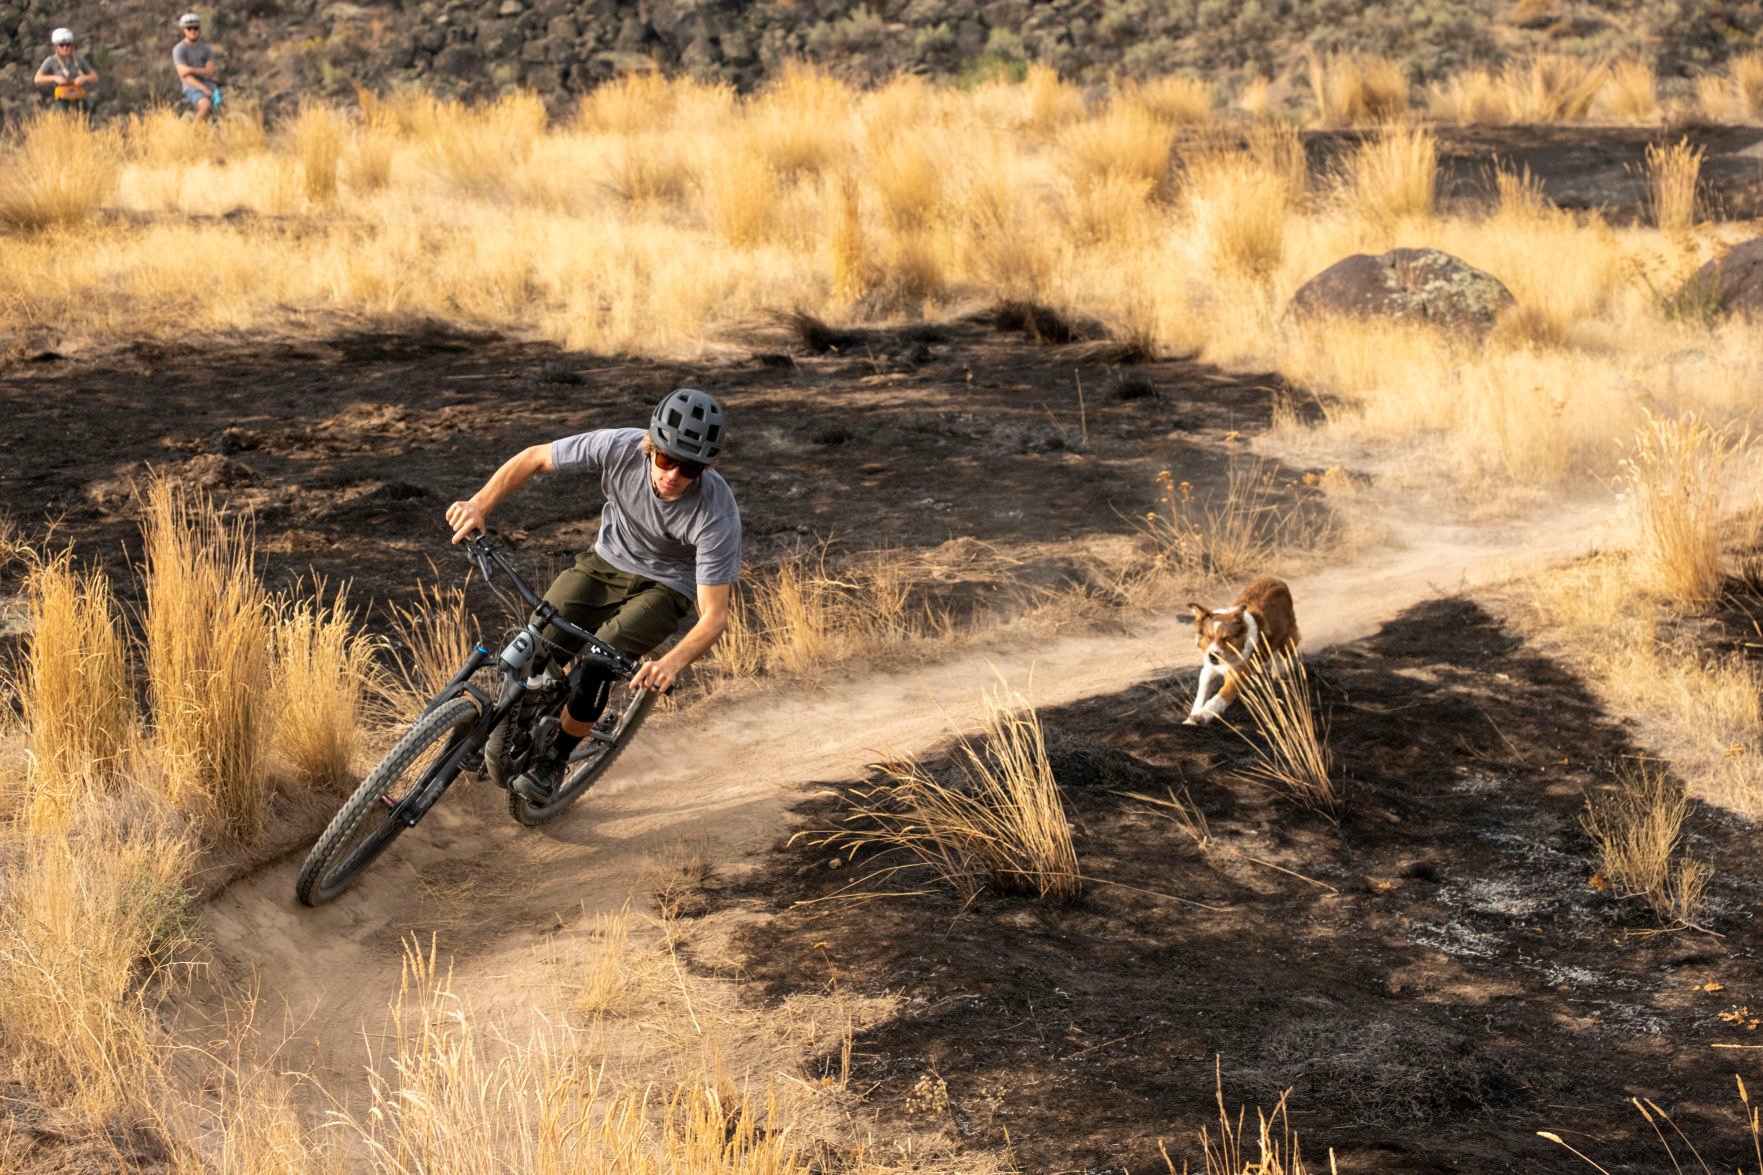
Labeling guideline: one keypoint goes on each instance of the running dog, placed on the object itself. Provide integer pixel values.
(1234, 641)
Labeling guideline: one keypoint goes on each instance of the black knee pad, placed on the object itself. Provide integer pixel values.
(590, 686)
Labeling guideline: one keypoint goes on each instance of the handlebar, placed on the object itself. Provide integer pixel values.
(489, 560)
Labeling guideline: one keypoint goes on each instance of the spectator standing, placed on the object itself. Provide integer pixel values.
(197, 73)
(70, 75)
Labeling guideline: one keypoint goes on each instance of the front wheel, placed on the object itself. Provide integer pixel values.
(614, 732)
(368, 821)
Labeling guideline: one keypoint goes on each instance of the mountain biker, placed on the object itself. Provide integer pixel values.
(70, 75)
(670, 534)
(197, 72)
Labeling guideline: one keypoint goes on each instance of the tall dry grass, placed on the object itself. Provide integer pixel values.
(1257, 520)
(1000, 826)
(1356, 91)
(1393, 177)
(75, 691)
(430, 639)
(808, 614)
(1292, 754)
(317, 137)
(1673, 176)
(1673, 477)
(325, 672)
(1638, 832)
(56, 172)
(210, 660)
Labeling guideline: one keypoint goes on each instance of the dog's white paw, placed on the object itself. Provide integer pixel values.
(1197, 720)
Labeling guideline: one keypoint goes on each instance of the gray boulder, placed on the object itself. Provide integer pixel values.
(1417, 284)
(1731, 284)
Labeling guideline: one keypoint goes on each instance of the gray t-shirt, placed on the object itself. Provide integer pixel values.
(194, 56)
(70, 67)
(694, 540)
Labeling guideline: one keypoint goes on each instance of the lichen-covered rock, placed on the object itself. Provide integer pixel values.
(1732, 284)
(1423, 285)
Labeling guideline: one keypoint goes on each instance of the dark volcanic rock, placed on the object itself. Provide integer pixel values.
(1421, 284)
(1732, 284)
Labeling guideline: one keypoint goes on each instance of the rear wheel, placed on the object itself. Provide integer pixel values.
(367, 822)
(611, 734)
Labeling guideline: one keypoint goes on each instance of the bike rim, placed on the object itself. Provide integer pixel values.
(375, 835)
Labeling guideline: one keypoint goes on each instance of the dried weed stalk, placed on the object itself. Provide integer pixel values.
(1292, 755)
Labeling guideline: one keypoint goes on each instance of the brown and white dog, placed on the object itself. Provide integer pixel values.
(1235, 640)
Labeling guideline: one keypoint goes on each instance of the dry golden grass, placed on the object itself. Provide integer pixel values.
(1638, 833)
(41, 187)
(1129, 142)
(1184, 101)
(1551, 88)
(1276, 1142)
(1544, 89)
(1356, 91)
(1291, 754)
(1673, 173)
(317, 137)
(87, 906)
(807, 615)
(1751, 1128)
(430, 641)
(604, 980)
(210, 660)
(1001, 827)
(75, 691)
(324, 673)
(1242, 202)
(1630, 94)
(1673, 477)
(1394, 177)
(1747, 84)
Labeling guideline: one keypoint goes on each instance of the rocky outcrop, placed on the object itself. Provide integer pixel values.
(1419, 285)
(281, 51)
(1732, 284)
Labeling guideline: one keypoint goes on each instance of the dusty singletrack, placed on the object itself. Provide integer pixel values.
(499, 900)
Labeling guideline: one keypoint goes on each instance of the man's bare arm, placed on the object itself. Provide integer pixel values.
(713, 611)
(472, 513)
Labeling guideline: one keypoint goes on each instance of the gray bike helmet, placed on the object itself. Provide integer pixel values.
(687, 426)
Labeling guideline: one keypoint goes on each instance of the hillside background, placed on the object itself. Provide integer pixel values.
(280, 51)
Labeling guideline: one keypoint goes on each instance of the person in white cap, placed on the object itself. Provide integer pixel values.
(69, 73)
(197, 73)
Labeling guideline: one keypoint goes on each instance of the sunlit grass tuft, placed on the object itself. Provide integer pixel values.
(1291, 751)
(56, 172)
(324, 672)
(1672, 481)
(1638, 833)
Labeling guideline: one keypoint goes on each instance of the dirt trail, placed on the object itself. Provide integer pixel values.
(502, 899)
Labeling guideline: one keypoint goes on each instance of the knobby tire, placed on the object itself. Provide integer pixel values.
(588, 764)
(365, 825)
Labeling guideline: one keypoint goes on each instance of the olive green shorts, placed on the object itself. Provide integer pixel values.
(628, 612)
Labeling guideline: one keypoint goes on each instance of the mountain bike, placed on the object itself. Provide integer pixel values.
(504, 719)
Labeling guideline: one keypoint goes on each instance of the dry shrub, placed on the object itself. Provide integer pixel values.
(324, 671)
(1292, 755)
(1255, 99)
(316, 137)
(653, 168)
(908, 178)
(85, 909)
(77, 698)
(1001, 232)
(159, 139)
(1473, 97)
(1672, 480)
(367, 165)
(1001, 826)
(1672, 175)
(430, 641)
(799, 122)
(634, 102)
(1638, 833)
(56, 172)
(1394, 177)
(1114, 210)
(1631, 93)
(1129, 142)
(1257, 519)
(1052, 101)
(853, 273)
(210, 660)
(1355, 91)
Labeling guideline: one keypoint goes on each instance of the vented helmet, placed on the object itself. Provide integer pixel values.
(687, 426)
(61, 37)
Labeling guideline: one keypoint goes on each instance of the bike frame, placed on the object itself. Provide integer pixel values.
(516, 661)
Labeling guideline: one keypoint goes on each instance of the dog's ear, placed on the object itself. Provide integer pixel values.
(1199, 612)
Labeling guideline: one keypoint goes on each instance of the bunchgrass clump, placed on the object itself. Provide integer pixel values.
(1255, 521)
(1290, 742)
(1673, 173)
(430, 640)
(1000, 826)
(324, 672)
(55, 172)
(1638, 832)
(1672, 480)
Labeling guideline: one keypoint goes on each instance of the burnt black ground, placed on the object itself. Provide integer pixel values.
(1445, 983)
